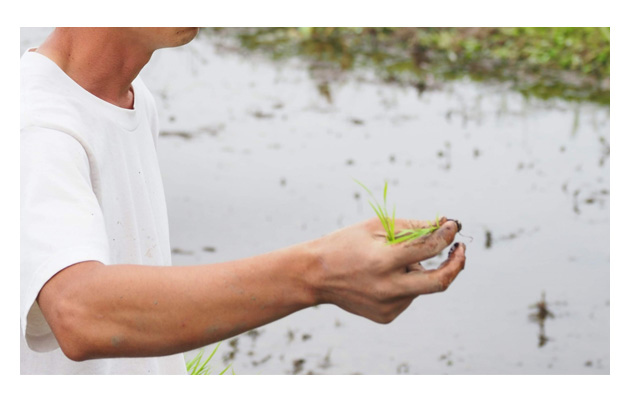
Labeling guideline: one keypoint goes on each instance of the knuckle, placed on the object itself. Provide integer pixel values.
(381, 289)
(388, 313)
(440, 284)
(415, 224)
(373, 223)
(386, 317)
(389, 319)
(385, 292)
(381, 293)
(444, 282)
(448, 230)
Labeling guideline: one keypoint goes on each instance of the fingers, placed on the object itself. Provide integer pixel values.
(420, 282)
(429, 245)
(415, 267)
(402, 224)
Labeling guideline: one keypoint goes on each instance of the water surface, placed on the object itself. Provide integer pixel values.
(255, 158)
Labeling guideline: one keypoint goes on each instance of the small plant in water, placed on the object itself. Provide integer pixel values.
(197, 366)
(389, 222)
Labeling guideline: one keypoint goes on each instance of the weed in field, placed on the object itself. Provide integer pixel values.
(197, 366)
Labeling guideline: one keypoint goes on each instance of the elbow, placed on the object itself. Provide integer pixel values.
(65, 307)
(70, 332)
(74, 355)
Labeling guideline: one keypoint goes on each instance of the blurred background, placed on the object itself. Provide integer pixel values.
(505, 129)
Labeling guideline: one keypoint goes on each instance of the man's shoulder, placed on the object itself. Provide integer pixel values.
(44, 97)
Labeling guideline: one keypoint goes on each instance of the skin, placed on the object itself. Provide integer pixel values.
(105, 61)
(103, 311)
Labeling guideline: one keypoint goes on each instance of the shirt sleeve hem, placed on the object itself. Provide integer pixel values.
(36, 331)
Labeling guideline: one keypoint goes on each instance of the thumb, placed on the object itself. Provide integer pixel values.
(437, 280)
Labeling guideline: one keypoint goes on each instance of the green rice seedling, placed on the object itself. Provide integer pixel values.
(197, 366)
(410, 234)
(389, 222)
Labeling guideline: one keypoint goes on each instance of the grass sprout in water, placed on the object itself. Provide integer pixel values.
(389, 222)
(197, 366)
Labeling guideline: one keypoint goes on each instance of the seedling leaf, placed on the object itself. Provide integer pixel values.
(389, 224)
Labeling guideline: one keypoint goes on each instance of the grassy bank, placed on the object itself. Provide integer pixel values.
(568, 63)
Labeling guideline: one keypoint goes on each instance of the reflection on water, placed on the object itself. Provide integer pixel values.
(540, 316)
(254, 158)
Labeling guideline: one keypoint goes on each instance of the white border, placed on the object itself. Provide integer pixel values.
(321, 13)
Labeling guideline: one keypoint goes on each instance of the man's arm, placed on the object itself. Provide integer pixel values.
(99, 311)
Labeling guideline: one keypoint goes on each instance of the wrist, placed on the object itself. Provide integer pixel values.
(308, 273)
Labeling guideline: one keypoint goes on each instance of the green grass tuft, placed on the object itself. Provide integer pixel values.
(197, 366)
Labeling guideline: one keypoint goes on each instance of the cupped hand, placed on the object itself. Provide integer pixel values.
(358, 271)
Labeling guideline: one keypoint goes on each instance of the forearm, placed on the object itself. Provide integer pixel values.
(140, 311)
(98, 311)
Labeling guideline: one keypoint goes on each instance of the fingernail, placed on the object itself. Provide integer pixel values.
(459, 224)
(453, 247)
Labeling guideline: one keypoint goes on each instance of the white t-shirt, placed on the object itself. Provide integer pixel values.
(90, 190)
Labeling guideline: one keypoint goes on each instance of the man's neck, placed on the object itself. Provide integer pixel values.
(100, 60)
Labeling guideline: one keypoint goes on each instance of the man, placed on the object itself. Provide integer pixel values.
(98, 294)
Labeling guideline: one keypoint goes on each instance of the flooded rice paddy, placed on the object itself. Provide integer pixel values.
(255, 157)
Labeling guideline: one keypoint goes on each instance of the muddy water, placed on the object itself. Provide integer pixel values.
(255, 158)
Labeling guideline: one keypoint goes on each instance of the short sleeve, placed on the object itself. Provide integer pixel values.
(61, 222)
